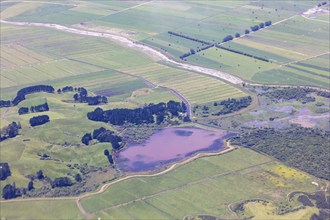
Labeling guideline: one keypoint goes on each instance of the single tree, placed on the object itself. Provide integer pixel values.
(110, 159)
(40, 175)
(78, 177)
(9, 191)
(30, 185)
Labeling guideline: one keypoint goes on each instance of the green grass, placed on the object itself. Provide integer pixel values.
(239, 65)
(63, 209)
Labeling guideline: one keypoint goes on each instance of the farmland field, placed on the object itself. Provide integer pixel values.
(83, 82)
(170, 195)
(103, 68)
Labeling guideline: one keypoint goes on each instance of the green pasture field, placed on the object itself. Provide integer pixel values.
(255, 50)
(65, 12)
(206, 185)
(195, 87)
(67, 55)
(63, 209)
(227, 61)
(16, 9)
(291, 76)
(319, 64)
(298, 34)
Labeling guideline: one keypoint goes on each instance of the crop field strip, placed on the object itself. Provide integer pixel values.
(58, 67)
(195, 87)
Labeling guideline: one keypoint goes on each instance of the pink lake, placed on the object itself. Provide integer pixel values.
(169, 145)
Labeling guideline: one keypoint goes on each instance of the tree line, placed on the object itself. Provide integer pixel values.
(261, 25)
(10, 131)
(139, 115)
(20, 96)
(225, 39)
(232, 105)
(38, 108)
(109, 156)
(242, 53)
(306, 149)
(39, 120)
(103, 135)
(189, 38)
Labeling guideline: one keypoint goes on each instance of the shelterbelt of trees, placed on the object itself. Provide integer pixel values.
(25, 91)
(304, 148)
(140, 115)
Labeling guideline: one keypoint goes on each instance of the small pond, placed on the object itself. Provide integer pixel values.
(169, 145)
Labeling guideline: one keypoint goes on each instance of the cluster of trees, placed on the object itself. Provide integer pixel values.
(25, 91)
(82, 96)
(11, 191)
(139, 115)
(4, 171)
(10, 131)
(304, 148)
(103, 135)
(38, 108)
(66, 89)
(299, 94)
(242, 53)
(61, 182)
(189, 38)
(39, 120)
(233, 105)
(109, 156)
